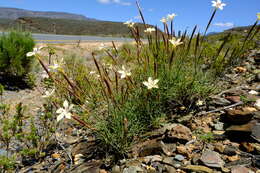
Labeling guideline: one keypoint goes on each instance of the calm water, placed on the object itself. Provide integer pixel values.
(51, 38)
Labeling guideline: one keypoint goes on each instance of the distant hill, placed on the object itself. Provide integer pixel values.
(60, 23)
(68, 26)
(15, 13)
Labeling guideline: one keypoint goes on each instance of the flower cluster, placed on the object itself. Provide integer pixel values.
(175, 42)
(124, 72)
(129, 23)
(218, 4)
(149, 30)
(65, 111)
(169, 17)
(35, 51)
(151, 83)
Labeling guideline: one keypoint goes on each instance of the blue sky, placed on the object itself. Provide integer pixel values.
(190, 12)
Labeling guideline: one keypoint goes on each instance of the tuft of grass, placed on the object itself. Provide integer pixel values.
(120, 108)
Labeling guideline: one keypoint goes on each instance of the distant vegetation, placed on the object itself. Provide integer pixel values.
(68, 26)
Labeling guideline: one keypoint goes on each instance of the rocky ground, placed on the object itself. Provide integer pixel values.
(224, 136)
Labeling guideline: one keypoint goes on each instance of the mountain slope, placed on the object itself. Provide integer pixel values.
(14, 13)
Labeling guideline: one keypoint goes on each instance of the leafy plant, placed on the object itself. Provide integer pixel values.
(13, 60)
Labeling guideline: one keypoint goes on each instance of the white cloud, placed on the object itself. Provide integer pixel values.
(221, 24)
(114, 1)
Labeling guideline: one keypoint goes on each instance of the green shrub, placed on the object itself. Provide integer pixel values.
(13, 60)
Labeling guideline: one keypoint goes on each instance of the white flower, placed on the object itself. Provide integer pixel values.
(175, 42)
(163, 20)
(65, 111)
(55, 67)
(199, 103)
(48, 94)
(151, 83)
(102, 46)
(258, 16)
(34, 52)
(253, 92)
(129, 23)
(218, 4)
(124, 72)
(92, 72)
(45, 75)
(170, 17)
(78, 159)
(149, 30)
(257, 104)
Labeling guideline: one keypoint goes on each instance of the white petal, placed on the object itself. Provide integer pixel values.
(59, 117)
(30, 54)
(68, 115)
(60, 110)
(65, 104)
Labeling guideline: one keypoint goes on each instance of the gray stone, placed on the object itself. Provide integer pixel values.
(219, 126)
(256, 132)
(220, 101)
(239, 169)
(230, 150)
(133, 169)
(116, 169)
(211, 159)
(179, 157)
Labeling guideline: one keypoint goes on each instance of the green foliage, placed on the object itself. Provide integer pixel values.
(13, 49)
(7, 163)
(32, 140)
(120, 108)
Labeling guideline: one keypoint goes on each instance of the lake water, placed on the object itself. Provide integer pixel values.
(51, 38)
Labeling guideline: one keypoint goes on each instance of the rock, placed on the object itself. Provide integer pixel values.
(241, 162)
(245, 128)
(151, 147)
(240, 69)
(179, 133)
(87, 148)
(233, 158)
(116, 169)
(239, 169)
(219, 101)
(233, 99)
(170, 169)
(247, 147)
(197, 168)
(78, 159)
(256, 161)
(56, 156)
(257, 77)
(169, 161)
(240, 116)
(219, 147)
(256, 132)
(102, 171)
(133, 169)
(219, 126)
(230, 150)
(183, 150)
(257, 148)
(257, 104)
(154, 158)
(88, 167)
(179, 157)
(253, 92)
(211, 159)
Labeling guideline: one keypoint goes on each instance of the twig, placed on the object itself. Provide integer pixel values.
(223, 108)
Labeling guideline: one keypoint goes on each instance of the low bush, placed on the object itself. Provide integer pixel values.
(13, 60)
